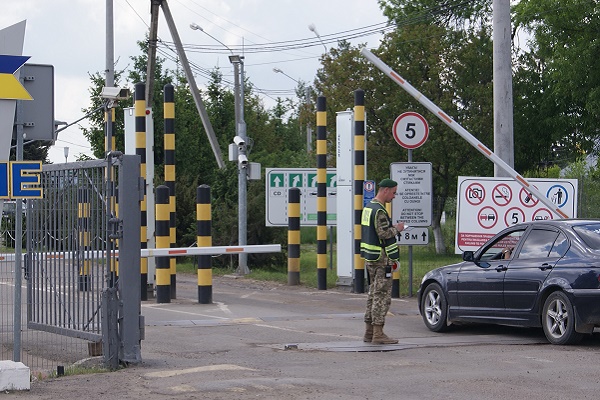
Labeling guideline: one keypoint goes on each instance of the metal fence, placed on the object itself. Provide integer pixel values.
(66, 266)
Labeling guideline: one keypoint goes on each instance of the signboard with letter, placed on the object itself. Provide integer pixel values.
(485, 206)
(280, 180)
(413, 202)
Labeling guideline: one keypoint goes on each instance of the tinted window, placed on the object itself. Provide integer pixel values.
(538, 244)
(590, 234)
(561, 244)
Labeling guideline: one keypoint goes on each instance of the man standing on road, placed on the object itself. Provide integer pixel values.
(379, 249)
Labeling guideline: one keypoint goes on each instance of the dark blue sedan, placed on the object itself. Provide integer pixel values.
(537, 274)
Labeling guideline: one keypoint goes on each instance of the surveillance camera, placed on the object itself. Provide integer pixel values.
(242, 160)
(114, 93)
(239, 141)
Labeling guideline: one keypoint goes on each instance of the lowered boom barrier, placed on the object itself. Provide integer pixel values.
(166, 252)
(461, 131)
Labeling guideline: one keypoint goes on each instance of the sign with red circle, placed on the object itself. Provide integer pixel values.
(487, 217)
(410, 130)
(527, 199)
(475, 194)
(542, 214)
(502, 194)
(514, 216)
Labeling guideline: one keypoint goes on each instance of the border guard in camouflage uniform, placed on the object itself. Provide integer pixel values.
(380, 250)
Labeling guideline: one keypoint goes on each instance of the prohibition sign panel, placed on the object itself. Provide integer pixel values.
(475, 194)
(486, 205)
(410, 130)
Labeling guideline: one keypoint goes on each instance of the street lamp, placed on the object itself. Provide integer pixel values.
(66, 150)
(313, 28)
(307, 102)
(240, 132)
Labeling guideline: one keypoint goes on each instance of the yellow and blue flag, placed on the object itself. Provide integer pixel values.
(10, 87)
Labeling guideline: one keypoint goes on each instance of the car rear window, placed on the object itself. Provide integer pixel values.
(590, 234)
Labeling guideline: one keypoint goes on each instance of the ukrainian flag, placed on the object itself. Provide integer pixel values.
(10, 87)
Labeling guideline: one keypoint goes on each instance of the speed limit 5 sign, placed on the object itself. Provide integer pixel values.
(410, 130)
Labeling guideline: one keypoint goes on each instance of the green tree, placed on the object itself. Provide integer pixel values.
(450, 63)
(560, 95)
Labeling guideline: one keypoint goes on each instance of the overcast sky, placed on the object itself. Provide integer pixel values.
(71, 36)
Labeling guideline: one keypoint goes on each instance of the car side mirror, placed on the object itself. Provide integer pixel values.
(468, 256)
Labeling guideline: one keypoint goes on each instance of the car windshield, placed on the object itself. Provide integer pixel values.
(590, 234)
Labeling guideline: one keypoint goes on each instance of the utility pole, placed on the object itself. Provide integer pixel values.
(212, 138)
(241, 141)
(503, 93)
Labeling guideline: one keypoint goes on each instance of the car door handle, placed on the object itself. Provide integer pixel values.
(545, 266)
(501, 268)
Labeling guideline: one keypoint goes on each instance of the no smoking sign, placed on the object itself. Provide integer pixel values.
(410, 130)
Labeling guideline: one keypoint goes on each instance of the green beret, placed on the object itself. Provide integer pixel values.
(388, 183)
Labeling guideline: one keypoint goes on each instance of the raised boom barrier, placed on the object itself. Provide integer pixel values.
(460, 130)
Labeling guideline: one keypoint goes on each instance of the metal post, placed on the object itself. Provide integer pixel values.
(308, 127)
(109, 72)
(212, 138)
(503, 98)
(410, 250)
(131, 192)
(240, 129)
(18, 244)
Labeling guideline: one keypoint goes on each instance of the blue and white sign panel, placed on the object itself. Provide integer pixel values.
(280, 180)
(368, 192)
(485, 206)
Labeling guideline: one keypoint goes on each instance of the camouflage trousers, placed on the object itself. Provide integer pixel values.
(380, 293)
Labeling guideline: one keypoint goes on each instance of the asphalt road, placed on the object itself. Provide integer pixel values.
(267, 341)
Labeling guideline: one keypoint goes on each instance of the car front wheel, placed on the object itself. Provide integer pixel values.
(434, 308)
(558, 320)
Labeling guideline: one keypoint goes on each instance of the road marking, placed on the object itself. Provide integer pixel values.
(179, 311)
(223, 307)
(207, 368)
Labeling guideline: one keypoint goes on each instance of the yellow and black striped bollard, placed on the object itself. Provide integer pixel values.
(321, 193)
(293, 236)
(204, 239)
(359, 180)
(83, 219)
(163, 241)
(140, 150)
(169, 151)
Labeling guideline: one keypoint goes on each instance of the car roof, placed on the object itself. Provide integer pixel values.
(561, 222)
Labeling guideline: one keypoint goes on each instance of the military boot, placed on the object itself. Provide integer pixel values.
(368, 333)
(381, 338)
